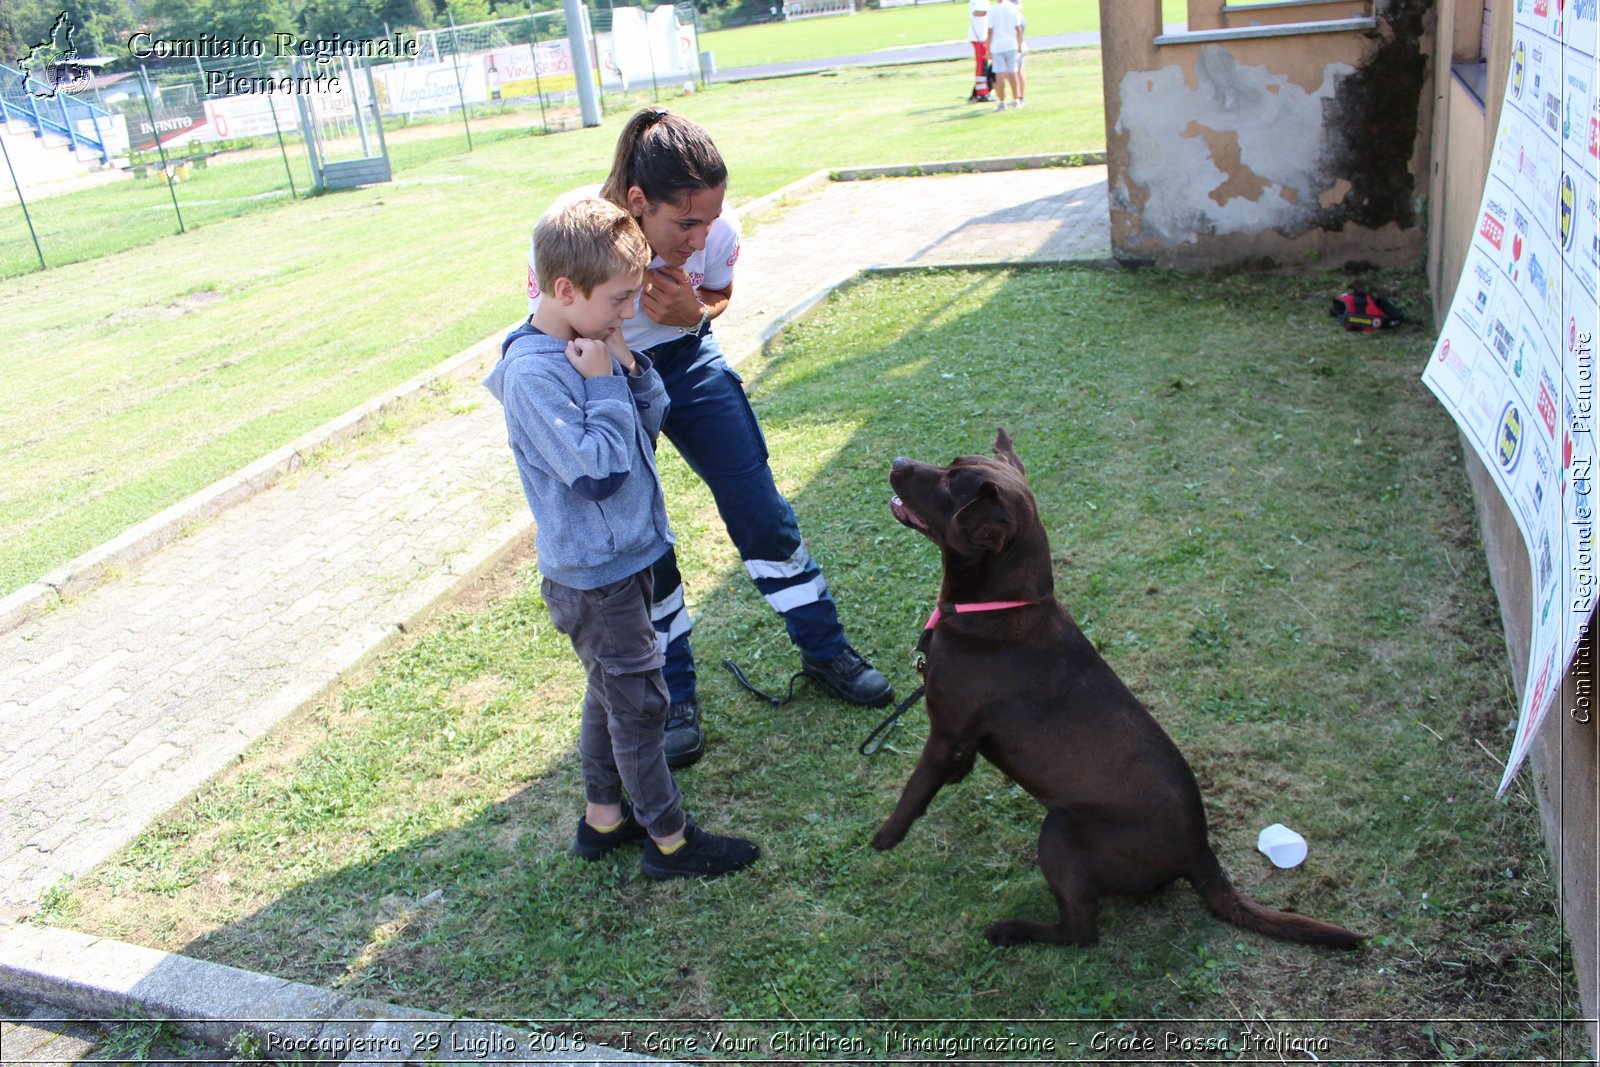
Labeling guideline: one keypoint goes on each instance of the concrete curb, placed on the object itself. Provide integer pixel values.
(275, 1019)
(781, 197)
(167, 526)
(1093, 158)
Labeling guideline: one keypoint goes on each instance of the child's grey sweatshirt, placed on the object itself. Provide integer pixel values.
(585, 454)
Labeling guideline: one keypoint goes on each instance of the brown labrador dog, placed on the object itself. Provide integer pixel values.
(1011, 677)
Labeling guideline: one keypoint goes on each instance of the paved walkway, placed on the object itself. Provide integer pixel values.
(125, 699)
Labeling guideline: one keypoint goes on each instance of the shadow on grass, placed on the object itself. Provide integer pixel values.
(1262, 523)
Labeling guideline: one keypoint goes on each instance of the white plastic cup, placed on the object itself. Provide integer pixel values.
(1282, 846)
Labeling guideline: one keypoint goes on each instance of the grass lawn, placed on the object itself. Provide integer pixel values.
(900, 27)
(138, 378)
(1261, 520)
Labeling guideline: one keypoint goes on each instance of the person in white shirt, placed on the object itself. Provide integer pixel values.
(669, 175)
(978, 34)
(1005, 46)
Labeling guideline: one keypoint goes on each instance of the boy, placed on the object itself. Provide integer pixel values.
(582, 413)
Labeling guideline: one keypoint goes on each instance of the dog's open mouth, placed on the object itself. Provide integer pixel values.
(905, 515)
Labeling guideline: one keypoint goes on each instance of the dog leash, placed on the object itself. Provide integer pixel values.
(919, 659)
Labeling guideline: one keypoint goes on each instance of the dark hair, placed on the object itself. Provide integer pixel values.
(666, 156)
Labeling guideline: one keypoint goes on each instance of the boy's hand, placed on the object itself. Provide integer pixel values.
(620, 352)
(592, 359)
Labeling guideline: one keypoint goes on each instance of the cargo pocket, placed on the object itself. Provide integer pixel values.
(743, 401)
(636, 696)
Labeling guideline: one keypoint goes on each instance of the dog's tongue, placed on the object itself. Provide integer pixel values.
(897, 507)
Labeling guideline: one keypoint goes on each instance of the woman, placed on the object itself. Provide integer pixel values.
(670, 176)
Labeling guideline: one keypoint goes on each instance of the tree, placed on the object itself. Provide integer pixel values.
(187, 20)
(101, 27)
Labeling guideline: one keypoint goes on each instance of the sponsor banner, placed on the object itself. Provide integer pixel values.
(432, 87)
(1514, 363)
(525, 70)
(178, 121)
(250, 115)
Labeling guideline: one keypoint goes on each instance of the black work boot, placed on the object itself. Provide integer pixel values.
(703, 855)
(684, 742)
(591, 844)
(850, 676)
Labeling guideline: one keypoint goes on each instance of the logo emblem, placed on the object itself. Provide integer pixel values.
(1569, 211)
(52, 64)
(1508, 443)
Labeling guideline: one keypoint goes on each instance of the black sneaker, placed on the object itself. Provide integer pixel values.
(591, 844)
(703, 855)
(685, 742)
(852, 677)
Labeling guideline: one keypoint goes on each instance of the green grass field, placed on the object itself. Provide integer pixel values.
(1261, 521)
(889, 28)
(140, 377)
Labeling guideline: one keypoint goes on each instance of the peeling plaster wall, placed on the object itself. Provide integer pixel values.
(1238, 152)
(1284, 149)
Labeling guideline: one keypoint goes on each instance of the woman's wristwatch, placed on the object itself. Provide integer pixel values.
(705, 317)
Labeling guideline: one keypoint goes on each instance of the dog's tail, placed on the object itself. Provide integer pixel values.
(1230, 905)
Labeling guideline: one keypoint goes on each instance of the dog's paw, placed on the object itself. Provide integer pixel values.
(1004, 934)
(887, 837)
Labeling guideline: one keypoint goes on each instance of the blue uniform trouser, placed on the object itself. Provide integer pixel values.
(711, 425)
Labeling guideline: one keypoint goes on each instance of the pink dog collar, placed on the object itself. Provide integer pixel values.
(982, 605)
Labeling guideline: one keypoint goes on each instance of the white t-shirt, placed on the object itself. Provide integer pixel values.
(977, 19)
(709, 268)
(1004, 19)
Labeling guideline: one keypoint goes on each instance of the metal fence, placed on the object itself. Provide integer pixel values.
(190, 142)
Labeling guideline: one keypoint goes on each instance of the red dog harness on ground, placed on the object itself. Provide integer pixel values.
(1361, 313)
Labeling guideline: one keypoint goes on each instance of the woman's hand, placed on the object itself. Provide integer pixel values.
(669, 298)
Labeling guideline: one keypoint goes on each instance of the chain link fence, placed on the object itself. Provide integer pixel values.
(194, 141)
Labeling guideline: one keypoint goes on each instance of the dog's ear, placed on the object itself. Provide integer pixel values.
(1004, 451)
(985, 522)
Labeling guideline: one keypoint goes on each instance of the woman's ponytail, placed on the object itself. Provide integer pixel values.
(667, 156)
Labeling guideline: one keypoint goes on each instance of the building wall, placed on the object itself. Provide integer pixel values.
(1271, 136)
(1566, 755)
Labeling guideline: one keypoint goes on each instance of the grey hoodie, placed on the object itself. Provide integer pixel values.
(585, 454)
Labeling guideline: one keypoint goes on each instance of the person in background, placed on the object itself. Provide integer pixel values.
(1005, 46)
(978, 34)
(1022, 54)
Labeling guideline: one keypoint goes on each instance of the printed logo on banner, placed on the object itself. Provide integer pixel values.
(1541, 8)
(1493, 228)
(1447, 356)
(1519, 68)
(1577, 104)
(1552, 113)
(1568, 207)
(1547, 568)
(1546, 405)
(1501, 339)
(1508, 440)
